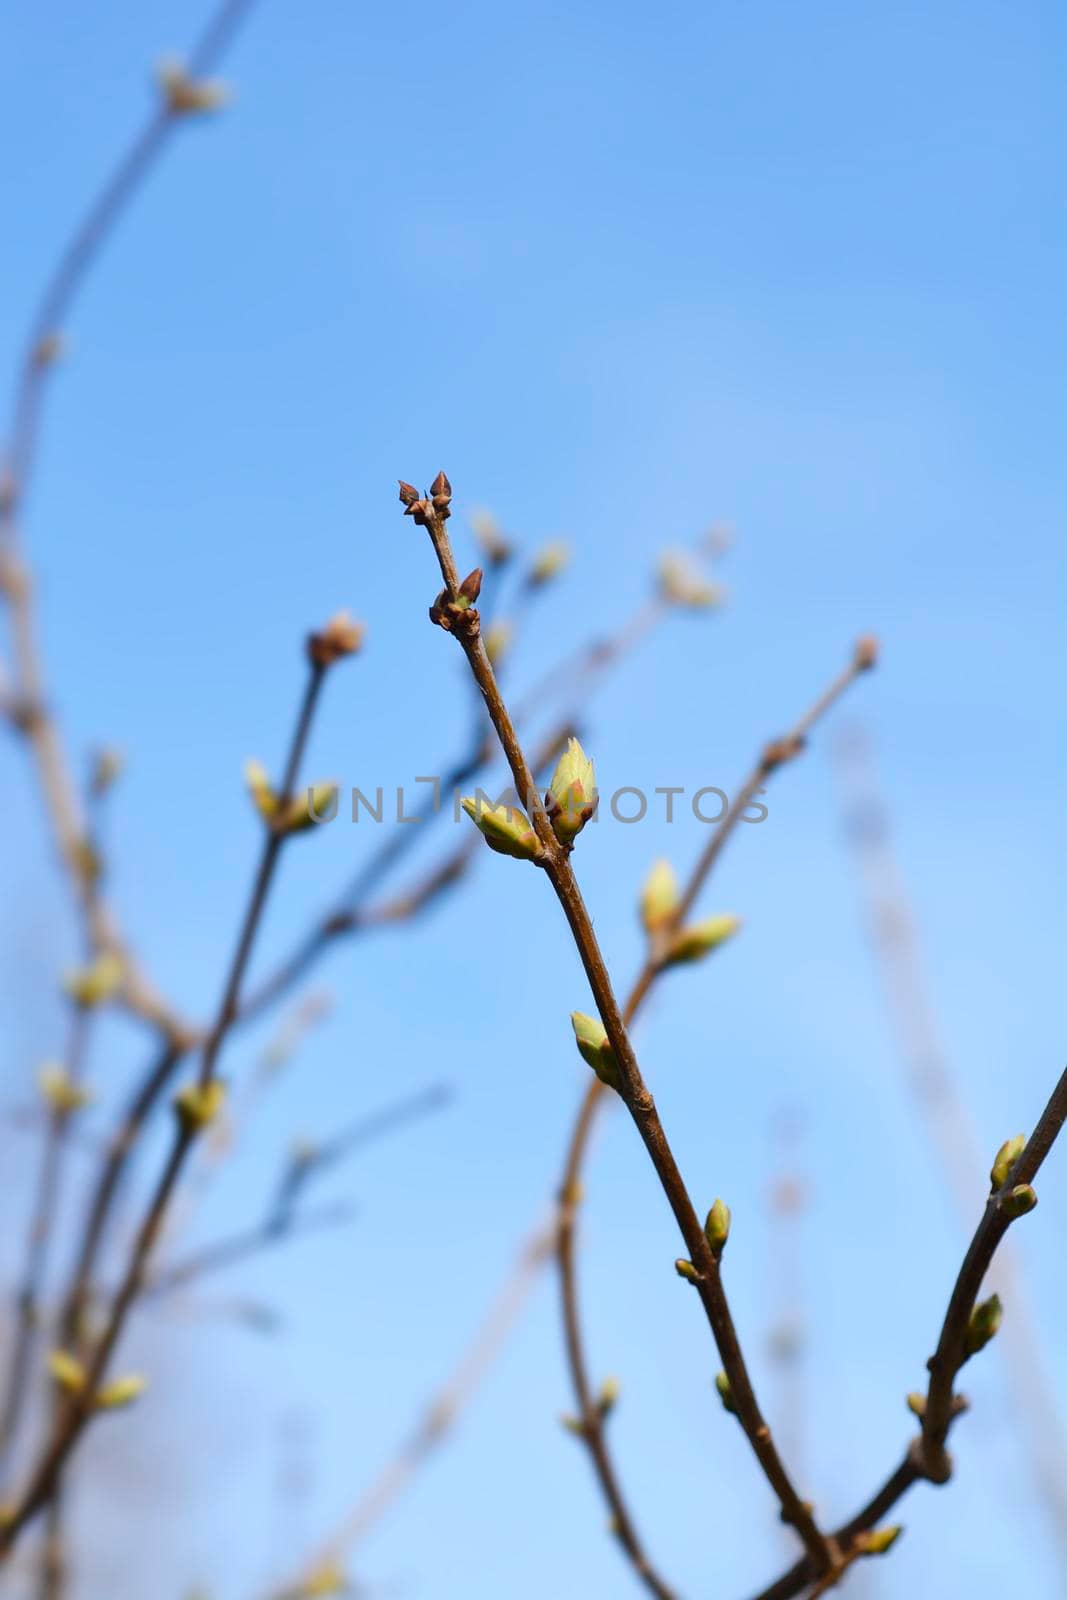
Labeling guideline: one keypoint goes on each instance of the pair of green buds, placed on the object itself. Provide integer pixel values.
(302, 812)
(570, 803)
(659, 904)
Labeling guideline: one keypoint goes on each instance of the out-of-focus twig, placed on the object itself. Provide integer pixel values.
(435, 1423)
(26, 699)
(194, 1113)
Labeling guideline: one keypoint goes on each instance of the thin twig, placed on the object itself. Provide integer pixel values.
(461, 619)
(894, 939)
(926, 1459)
(42, 1225)
(26, 698)
(438, 1417)
(772, 757)
(79, 1409)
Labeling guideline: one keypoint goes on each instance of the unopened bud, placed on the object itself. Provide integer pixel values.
(591, 1037)
(726, 1393)
(549, 562)
(572, 797)
(1005, 1159)
(48, 350)
(259, 787)
(717, 1227)
(699, 939)
(573, 1425)
(67, 1371)
(497, 640)
(985, 1320)
(106, 770)
(315, 805)
(679, 585)
(198, 1104)
(328, 1579)
(471, 587)
(608, 1397)
(505, 829)
(339, 638)
(917, 1404)
(685, 1269)
(121, 1393)
(880, 1540)
(93, 985)
(489, 535)
(865, 657)
(659, 897)
(1019, 1201)
(408, 493)
(185, 96)
(60, 1092)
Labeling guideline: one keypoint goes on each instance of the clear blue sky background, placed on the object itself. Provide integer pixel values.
(622, 270)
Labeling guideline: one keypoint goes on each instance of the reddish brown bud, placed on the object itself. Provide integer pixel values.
(339, 638)
(866, 653)
(408, 493)
(779, 751)
(421, 510)
(471, 587)
(441, 488)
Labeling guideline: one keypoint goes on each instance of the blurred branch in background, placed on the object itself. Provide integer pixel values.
(788, 1203)
(942, 1109)
(324, 1572)
(182, 94)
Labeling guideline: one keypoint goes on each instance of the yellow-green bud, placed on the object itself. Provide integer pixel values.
(685, 1269)
(92, 985)
(591, 1037)
(505, 829)
(497, 641)
(880, 1540)
(1005, 1159)
(307, 810)
(726, 1394)
(717, 1227)
(549, 562)
(59, 1091)
(1019, 1201)
(917, 1404)
(259, 787)
(573, 1425)
(700, 938)
(67, 1371)
(198, 1104)
(985, 1320)
(572, 797)
(608, 1396)
(327, 1579)
(680, 586)
(659, 897)
(122, 1392)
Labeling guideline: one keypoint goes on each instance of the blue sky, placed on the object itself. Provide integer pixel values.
(621, 271)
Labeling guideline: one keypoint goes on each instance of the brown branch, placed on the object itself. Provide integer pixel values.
(451, 612)
(79, 1408)
(926, 1459)
(773, 756)
(895, 941)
